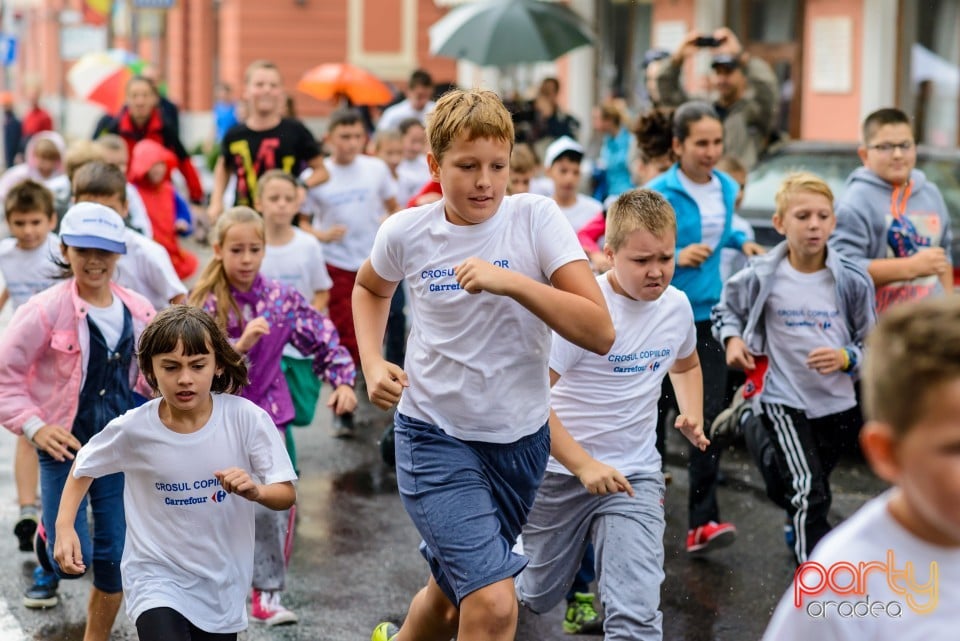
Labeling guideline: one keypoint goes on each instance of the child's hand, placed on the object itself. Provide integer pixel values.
(929, 261)
(252, 333)
(738, 356)
(333, 234)
(692, 428)
(599, 262)
(66, 551)
(181, 226)
(750, 248)
(826, 360)
(56, 441)
(693, 255)
(600, 478)
(342, 400)
(476, 275)
(385, 383)
(237, 481)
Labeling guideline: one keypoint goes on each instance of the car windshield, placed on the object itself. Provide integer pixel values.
(766, 179)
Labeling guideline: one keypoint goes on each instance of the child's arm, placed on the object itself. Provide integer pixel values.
(215, 208)
(597, 477)
(860, 317)
(183, 219)
(4, 297)
(319, 175)
(276, 496)
(687, 379)
(371, 306)
(390, 204)
(926, 262)
(729, 317)
(573, 307)
(320, 300)
(66, 550)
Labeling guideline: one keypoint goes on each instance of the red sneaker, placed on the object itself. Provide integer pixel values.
(266, 608)
(710, 536)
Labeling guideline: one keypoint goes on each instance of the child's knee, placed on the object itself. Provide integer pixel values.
(494, 606)
(106, 576)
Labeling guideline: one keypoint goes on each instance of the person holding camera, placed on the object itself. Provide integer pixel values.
(746, 91)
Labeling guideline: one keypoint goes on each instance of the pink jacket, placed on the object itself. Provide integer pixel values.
(43, 357)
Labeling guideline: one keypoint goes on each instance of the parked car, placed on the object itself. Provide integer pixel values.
(833, 162)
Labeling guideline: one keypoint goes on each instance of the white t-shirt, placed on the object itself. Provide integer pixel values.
(393, 116)
(137, 212)
(189, 545)
(713, 212)
(354, 196)
(299, 264)
(873, 536)
(582, 211)
(28, 271)
(542, 185)
(147, 270)
(800, 315)
(412, 175)
(477, 363)
(609, 403)
(109, 320)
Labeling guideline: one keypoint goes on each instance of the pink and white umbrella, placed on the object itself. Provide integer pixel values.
(101, 77)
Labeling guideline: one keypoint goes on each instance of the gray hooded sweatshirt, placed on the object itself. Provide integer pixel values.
(876, 219)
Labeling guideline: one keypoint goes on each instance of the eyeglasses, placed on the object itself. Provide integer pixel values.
(888, 147)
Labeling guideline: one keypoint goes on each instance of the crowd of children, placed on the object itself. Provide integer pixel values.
(583, 329)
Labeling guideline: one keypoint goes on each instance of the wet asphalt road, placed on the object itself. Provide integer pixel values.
(355, 560)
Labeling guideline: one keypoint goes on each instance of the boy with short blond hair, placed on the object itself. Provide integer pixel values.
(905, 542)
(523, 166)
(603, 430)
(489, 276)
(795, 320)
(265, 140)
(891, 219)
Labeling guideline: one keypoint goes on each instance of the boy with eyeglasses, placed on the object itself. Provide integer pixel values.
(891, 219)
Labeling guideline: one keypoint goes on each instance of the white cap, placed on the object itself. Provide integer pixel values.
(93, 226)
(559, 146)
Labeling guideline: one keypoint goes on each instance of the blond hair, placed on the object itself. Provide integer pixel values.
(79, 153)
(475, 113)
(384, 136)
(523, 160)
(637, 209)
(112, 142)
(256, 65)
(914, 349)
(213, 279)
(800, 182)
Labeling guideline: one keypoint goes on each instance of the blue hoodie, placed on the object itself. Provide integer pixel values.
(874, 220)
(701, 284)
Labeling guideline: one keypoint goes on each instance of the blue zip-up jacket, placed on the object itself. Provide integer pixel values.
(701, 284)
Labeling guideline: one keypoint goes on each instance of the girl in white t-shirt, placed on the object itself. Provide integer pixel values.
(183, 455)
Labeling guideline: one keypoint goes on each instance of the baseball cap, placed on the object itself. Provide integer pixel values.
(652, 55)
(560, 146)
(725, 60)
(93, 226)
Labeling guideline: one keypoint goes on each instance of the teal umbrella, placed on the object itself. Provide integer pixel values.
(508, 32)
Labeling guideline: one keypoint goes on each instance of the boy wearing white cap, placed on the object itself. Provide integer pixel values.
(562, 160)
(66, 370)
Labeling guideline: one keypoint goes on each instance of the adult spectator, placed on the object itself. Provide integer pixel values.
(224, 111)
(169, 110)
(141, 118)
(417, 104)
(542, 120)
(36, 119)
(12, 131)
(747, 94)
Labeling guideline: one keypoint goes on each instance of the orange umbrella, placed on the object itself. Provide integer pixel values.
(332, 80)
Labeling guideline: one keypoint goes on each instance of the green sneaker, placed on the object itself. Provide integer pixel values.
(582, 617)
(386, 631)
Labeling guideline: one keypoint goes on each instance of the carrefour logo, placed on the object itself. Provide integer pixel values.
(219, 496)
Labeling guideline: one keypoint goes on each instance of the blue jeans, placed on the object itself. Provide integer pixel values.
(105, 550)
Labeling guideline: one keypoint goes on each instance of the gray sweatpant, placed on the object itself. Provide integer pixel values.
(270, 535)
(627, 535)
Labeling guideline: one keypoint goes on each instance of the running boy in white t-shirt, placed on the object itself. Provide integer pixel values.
(892, 570)
(489, 277)
(795, 320)
(603, 430)
(562, 160)
(293, 257)
(26, 262)
(348, 210)
(146, 267)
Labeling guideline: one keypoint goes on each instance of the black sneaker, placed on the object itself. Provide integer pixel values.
(43, 592)
(25, 529)
(343, 425)
(388, 451)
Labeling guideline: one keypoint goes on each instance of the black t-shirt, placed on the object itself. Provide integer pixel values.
(248, 153)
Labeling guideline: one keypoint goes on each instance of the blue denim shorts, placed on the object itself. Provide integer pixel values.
(468, 500)
(104, 552)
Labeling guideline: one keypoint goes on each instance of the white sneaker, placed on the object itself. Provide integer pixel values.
(266, 609)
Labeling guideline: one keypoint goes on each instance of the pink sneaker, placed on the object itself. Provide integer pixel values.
(710, 536)
(266, 609)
